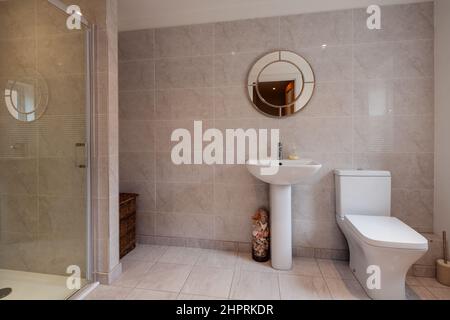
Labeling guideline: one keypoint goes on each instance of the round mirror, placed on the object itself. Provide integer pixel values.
(280, 84)
(26, 97)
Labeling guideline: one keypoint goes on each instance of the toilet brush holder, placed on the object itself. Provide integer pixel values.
(443, 265)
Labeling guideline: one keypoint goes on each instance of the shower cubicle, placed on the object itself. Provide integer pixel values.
(45, 124)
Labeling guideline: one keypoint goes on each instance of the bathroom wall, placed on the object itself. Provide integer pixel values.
(442, 67)
(372, 109)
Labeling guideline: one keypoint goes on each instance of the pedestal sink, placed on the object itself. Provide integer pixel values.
(281, 175)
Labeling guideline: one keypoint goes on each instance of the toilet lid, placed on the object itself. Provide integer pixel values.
(388, 232)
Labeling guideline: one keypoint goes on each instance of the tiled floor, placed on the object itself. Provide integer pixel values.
(156, 272)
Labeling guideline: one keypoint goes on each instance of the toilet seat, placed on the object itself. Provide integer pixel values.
(385, 231)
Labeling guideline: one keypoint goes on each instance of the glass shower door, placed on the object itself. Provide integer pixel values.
(44, 178)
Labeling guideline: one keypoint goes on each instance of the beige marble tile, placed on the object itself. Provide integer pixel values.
(304, 267)
(418, 293)
(167, 171)
(251, 197)
(132, 273)
(103, 292)
(232, 69)
(142, 294)
(394, 97)
(373, 61)
(61, 87)
(136, 45)
(19, 213)
(335, 135)
(318, 234)
(335, 269)
(137, 75)
(239, 36)
(313, 202)
(413, 281)
(399, 22)
(187, 256)
(232, 228)
(440, 293)
(414, 59)
(303, 288)
(145, 189)
(199, 226)
(165, 277)
(190, 40)
(190, 72)
(145, 223)
(346, 289)
(208, 281)
(329, 99)
(412, 171)
(330, 64)
(218, 258)
(252, 285)
(414, 207)
(58, 176)
(184, 197)
(184, 296)
(331, 28)
(246, 263)
(137, 166)
(17, 57)
(50, 61)
(146, 253)
(233, 103)
(234, 174)
(136, 136)
(195, 104)
(17, 19)
(137, 105)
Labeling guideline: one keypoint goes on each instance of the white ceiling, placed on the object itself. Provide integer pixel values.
(143, 14)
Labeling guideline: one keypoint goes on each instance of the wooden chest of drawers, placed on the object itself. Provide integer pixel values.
(127, 222)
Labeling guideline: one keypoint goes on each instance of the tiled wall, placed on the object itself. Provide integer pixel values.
(372, 109)
(42, 193)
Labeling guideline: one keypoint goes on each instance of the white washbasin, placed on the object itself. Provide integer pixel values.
(281, 175)
(283, 172)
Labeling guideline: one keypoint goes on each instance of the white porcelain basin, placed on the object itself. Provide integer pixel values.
(281, 174)
(285, 172)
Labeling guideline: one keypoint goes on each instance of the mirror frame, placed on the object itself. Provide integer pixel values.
(305, 70)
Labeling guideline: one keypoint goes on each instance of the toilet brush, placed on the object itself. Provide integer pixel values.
(442, 265)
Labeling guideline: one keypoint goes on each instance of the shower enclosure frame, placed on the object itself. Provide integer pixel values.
(90, 32)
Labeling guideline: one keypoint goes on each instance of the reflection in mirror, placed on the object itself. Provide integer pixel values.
(280, 84)
(26, 98)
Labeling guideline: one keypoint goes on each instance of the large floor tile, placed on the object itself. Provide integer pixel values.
(181, 255)
(440, 293)
(165, 277)
(335, 269)
(251, 285)
(142, 294)
(346, 289)
(103, 292)
(246, 262)
(303, 288)
(208, 281)
(304, 267)
(418, 293)
(132, 273)
(217, 258)
(148, 253)
(185, 296)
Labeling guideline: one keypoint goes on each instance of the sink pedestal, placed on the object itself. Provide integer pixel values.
(281, 227)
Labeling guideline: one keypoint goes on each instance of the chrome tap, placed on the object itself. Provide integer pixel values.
(280, 151)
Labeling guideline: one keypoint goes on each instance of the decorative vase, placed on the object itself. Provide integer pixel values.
(260, 234)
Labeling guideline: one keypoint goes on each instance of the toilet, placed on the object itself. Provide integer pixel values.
(382, 248)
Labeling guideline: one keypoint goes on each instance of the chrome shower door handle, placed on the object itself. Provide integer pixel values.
(80, 155)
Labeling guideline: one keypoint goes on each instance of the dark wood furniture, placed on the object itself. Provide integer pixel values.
(127, 204)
